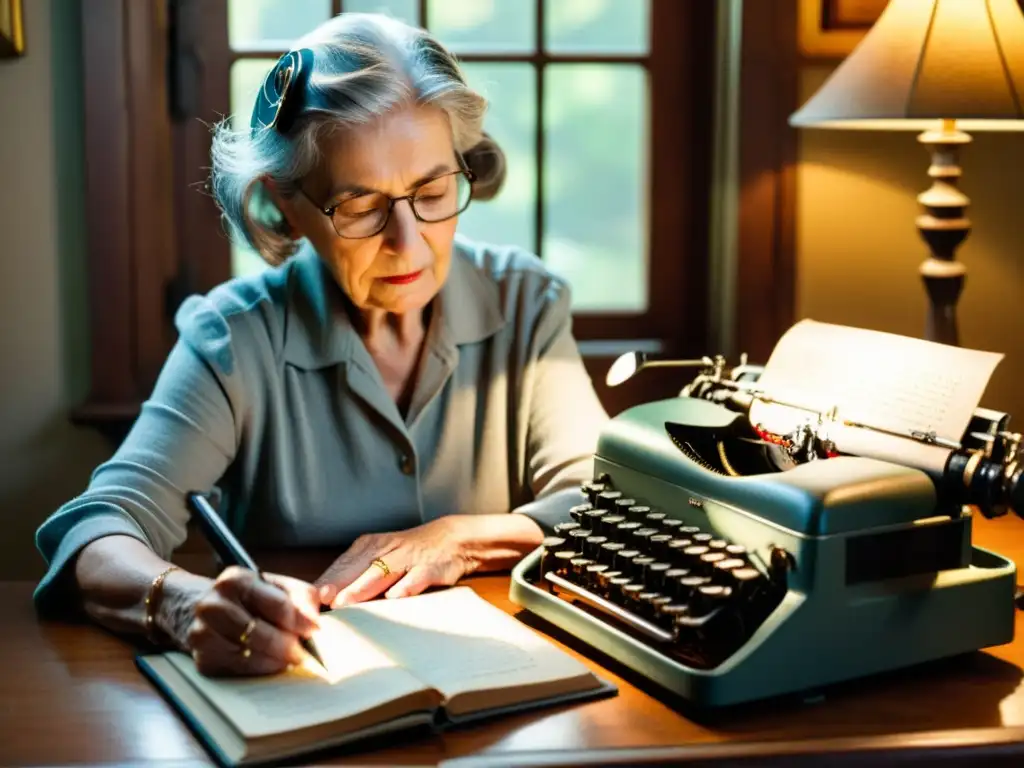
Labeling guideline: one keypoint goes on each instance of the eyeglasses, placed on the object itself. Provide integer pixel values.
(438, 199)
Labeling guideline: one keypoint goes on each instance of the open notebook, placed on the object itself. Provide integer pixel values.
(431, 660)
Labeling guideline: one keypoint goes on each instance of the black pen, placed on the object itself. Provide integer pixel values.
(230, 550)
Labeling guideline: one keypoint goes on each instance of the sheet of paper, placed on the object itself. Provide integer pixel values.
(359, 677)
(877, 379)
(456, 641)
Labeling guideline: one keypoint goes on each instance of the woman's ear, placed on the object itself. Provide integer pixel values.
(285, 205)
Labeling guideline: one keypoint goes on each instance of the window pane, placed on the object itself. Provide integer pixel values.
(246, 77)
(597, 26)
(484, 26)
(595, 183)
(511, 119)
(273, 24)
(406, 10)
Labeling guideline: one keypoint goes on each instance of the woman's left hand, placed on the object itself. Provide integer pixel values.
(398, 564)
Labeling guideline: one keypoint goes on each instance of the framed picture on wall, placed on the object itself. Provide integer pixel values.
(830, 29)
(12, 34)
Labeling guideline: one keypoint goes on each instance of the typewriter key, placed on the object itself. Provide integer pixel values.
(689, 584)
(591, 490)
(672, 585)
(615, 585)
(689, 531)
(547, 558)
(562, 564)
(654, 519)
(746, 582)
(577, 512)
(592, 546)
(675, 548)
(622, 505)
(709, 559)
(692, 555)
(592, 518)
(645, 603)
(671, 525)
(593, 573)
(631, 592)
(604, 581)
(606, 500)
(564, 528)
(552, 542)
(607, 524)
(655, 576)
(658, 603)
(624, 559)
(639, 567)
(641, 535)
(576, 538)
(624, 531)
(736, 550)
(659, 545)
(718, 545)
(724, 569)
(579, 568)
(671, 610)
(709, 597)
(608, 551)
(637, 513)
(702, 538)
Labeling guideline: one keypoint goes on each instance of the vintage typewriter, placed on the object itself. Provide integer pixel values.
(730, 565)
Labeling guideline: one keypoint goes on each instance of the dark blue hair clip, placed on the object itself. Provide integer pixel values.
(280, 98)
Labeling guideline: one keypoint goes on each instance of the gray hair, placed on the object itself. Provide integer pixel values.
(364, 66)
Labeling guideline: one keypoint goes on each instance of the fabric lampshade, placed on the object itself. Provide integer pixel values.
(925, 61)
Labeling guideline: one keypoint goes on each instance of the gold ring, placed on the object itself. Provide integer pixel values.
(243, 639)
(382, 565)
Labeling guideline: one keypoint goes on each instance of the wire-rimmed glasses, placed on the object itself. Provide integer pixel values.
(434, 200)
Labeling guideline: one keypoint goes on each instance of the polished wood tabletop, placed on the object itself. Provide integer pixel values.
(70, 693)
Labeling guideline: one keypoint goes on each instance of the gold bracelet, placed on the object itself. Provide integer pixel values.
(153, 597)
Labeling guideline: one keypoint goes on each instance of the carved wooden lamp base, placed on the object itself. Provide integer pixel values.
(943, 226)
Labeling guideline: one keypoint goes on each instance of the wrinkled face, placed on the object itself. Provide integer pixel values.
(404, 266)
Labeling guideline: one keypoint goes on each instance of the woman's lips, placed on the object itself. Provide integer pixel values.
(402, 279)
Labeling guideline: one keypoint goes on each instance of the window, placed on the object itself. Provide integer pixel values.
(568, 86)
(585, 101)
(605, 108)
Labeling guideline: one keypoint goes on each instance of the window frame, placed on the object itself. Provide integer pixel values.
(153, 234)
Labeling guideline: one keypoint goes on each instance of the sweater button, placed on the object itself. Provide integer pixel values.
(406, 464)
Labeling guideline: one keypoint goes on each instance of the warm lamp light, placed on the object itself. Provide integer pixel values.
(942, 67)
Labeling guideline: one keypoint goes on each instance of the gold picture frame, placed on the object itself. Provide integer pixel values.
(12, 29)
(831, 29)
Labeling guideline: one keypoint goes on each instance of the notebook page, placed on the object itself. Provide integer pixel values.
(877, 379)
(358, 677)
(456, 641)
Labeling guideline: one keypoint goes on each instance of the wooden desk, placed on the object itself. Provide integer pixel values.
(72, 694)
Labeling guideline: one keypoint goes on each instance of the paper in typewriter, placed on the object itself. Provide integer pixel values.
(881, 380)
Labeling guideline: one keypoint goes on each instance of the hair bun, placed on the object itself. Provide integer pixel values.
(487, 162)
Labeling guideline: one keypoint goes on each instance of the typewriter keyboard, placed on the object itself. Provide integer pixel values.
(694, 595)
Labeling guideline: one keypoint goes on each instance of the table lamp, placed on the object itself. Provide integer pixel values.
(942, 67)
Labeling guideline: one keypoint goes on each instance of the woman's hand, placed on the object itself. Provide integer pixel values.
(438, 553)
(432, 554)
(242, 625)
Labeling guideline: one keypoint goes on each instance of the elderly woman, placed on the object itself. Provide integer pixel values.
(388, 388)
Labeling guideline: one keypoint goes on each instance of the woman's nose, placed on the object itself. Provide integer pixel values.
(403, 228)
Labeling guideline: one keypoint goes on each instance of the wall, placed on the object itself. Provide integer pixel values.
(858, 248)
(43, 323)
